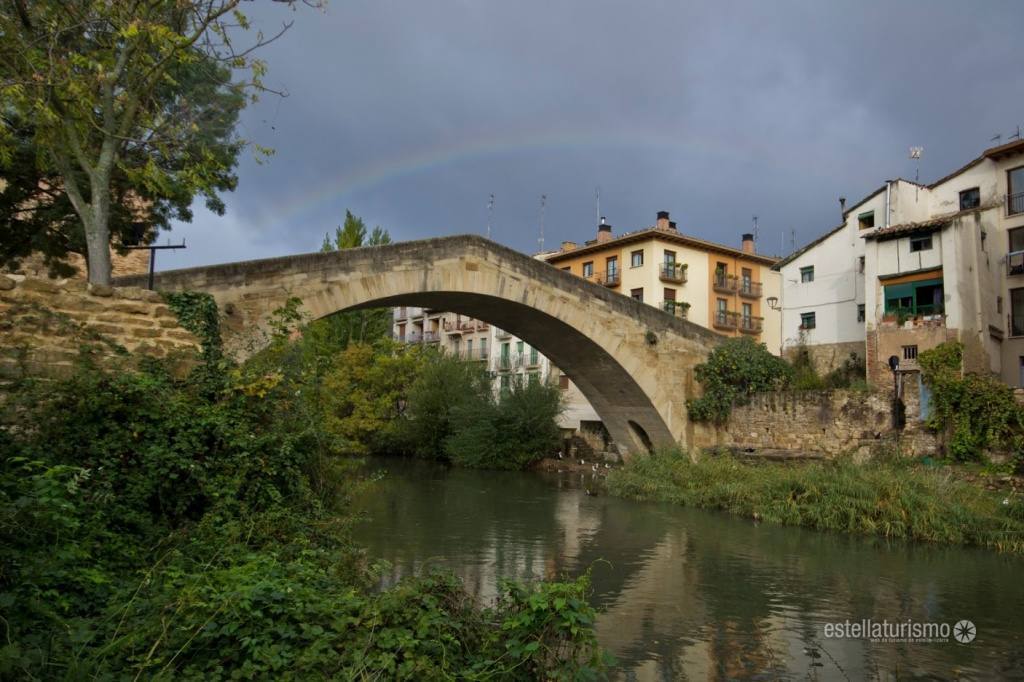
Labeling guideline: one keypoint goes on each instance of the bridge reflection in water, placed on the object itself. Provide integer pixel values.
(687, 594)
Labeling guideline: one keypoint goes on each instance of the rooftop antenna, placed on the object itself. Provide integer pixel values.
(915, 153)
(1016, 135)
(755, 230)
(490, 213)
(597, 196)
(996, 138)
(543, 203)
(792, 240)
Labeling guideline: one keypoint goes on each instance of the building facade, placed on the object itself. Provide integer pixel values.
(945, 262)
(716, 286)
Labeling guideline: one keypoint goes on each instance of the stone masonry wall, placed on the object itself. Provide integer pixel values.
(825, 424)
(46, 324)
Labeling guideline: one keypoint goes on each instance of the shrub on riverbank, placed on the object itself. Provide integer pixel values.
(890, 499)
(454, 414)
(155, 527)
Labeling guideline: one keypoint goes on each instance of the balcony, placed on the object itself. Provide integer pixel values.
(725, 319)
(672, 272)
(1015, 204)
(723, 283)
(533, 360)
(1015, 263)
(412, 337)
(451, 327)
(676, 308)
(431, 337)
(502, 334)
(750, 324)
(750, 289)
(608, 279)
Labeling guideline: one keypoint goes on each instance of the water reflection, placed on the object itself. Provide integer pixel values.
(686, 594)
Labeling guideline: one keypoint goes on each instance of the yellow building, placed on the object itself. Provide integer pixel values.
(732, 291)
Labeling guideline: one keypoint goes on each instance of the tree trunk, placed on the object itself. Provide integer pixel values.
(96, 221)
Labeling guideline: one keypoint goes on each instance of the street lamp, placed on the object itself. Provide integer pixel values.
(773, 302)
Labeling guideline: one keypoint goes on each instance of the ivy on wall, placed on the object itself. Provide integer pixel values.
(977, 412)
(197, 312)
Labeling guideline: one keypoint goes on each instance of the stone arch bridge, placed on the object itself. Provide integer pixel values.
(633, 362)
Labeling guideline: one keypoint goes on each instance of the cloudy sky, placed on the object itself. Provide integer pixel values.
(410, 114)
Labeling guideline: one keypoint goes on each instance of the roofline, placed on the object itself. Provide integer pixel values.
(990, 153)
(932, 225)
(799, 252)
(655, 233)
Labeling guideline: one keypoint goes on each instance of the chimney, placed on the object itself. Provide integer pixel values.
(568, 246)
(663, 221)
(748, 242)
(842, 207)
(672, 226)
(604, 231)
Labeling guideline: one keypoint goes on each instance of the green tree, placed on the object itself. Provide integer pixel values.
(362, 326)
(136, 94)
(736, 369)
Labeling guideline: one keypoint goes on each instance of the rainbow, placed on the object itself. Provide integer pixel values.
(334, 189)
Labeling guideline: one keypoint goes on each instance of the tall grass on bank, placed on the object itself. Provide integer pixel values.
(890, 499)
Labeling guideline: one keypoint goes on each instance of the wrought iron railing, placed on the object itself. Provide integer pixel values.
(724, 283)
(751, 324)
(1015, 263)
(676, 308)
(609, 278)
(1015, 203)
(750, 289)
(672, 272)
(725, 319)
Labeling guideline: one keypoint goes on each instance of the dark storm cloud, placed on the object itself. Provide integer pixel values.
(410, 114)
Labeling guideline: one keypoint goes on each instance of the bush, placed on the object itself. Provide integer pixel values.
(736, 369)
(510, 432)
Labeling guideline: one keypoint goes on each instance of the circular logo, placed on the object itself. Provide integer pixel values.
(964, 632)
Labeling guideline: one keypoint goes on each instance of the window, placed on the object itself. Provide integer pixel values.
(1015, 191)
(999, 305)
(469, 348)
(506, 381)
(747, 279)
(860, 312)
(533, 378)
(483, 349)
(637, 294)
(970, 198)
(807, 321)
(910, 353)
(670, 257)
(807, 274)
(519, 347)
(921, 243)
(563, 382)
(1016, 312)
(748, 312)
(1016, 240)
(915, 298)
(866, 220)
(534, 356)
(568, 268)
(670, 294)
(723, 305)
(588, 269)
(860, 265)
(636, 259)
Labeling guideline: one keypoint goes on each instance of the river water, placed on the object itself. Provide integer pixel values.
(692, 594)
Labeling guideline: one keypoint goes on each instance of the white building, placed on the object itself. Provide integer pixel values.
(945, 262)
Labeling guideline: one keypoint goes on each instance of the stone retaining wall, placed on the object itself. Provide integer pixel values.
(825, 424)
(45, 326)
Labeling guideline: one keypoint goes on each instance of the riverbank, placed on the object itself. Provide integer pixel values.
(890, 499)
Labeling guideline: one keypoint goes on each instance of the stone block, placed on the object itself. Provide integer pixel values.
(102, 290)
(40, 285)
(6, 283)
(131, 308)
(145, 333)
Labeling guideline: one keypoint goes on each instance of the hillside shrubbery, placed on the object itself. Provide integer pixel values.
(196, 528)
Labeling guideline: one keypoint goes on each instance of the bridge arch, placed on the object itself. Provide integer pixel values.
(631, 361)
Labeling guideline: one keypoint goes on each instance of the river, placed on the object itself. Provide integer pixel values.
(692, 594)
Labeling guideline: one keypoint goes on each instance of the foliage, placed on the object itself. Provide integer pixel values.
(362, 326)
(150, 527)
(444, 385)
(364, 395)
(976, 412)
(851, 374)
(890, 499)
(197, 312)
(131, 105)
(511, 431)
(736, 369)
